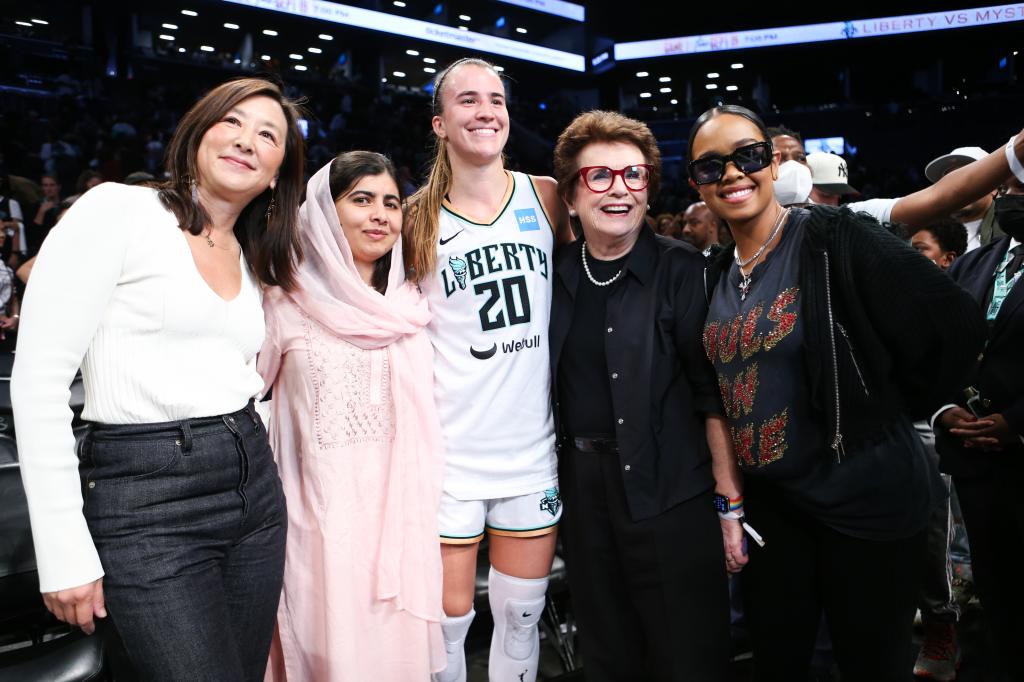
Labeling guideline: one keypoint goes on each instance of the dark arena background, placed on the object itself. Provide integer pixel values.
(95, 90)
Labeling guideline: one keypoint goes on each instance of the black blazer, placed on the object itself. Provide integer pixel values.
(999, 374)
(665, 383)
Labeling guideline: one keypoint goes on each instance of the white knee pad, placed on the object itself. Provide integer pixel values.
(455, 631)
(516, 606)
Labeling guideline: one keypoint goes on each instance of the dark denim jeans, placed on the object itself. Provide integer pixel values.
(190, 524)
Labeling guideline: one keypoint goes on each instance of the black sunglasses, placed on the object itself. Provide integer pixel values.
(748, 159)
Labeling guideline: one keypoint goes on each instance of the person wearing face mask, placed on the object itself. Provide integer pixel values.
(977, 216)
(356, 435)
(821, 369)
(980, 435)
(795, 184)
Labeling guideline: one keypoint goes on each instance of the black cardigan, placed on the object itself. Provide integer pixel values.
(903, 336)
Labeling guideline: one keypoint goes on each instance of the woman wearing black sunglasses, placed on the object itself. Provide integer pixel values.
(825, 331)
(644, 443)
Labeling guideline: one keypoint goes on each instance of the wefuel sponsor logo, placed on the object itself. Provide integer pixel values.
(507, 347)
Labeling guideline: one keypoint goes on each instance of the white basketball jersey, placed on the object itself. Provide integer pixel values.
(491, 301)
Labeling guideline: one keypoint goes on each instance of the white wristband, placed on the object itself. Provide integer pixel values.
(1011, 158)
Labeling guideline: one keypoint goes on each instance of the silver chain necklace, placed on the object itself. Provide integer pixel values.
(586, 269)
(745, 279)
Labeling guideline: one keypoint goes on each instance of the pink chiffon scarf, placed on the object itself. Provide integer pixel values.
(331, 292)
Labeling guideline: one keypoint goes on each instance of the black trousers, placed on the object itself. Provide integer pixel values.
(995, 528)
(651, 597)
(867, 590)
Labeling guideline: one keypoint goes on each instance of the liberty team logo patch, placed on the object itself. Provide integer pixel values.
(551, 502)
(526, 218)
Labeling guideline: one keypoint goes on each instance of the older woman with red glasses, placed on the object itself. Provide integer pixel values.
(644, 444)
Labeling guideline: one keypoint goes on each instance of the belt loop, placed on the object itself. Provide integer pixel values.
(186, 435)
(251, 409)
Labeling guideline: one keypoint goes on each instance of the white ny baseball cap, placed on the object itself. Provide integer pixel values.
(830, 173)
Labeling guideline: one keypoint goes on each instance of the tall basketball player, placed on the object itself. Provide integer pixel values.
(480, 242)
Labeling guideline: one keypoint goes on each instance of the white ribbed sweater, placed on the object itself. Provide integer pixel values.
(115, 290)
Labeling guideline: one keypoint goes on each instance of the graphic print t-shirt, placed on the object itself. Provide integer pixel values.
(881, 491)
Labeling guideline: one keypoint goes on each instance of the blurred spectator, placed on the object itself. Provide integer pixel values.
(46, 214)
(663, 224)
(789, 143)
(140, 178)
(830, 178)
(700, 227)
(979, 216)
(12, 221)
(941, 242)
(87, 180)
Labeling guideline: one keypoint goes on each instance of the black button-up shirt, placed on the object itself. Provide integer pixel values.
(664, 384)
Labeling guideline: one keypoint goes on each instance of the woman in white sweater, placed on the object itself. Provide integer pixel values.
(172, 516)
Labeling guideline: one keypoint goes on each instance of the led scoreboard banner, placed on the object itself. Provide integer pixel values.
(814, 33)
(421, 30)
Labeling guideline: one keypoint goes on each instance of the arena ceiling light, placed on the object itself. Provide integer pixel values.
(164, 36)
(170, 27)
(300, 67)
(816, 33)
(737, 65)
(265, 57)
(190, 13)
(465, 17)
(429, 69)
(467, 41)
(732, 88)
(642, 74)
(665, 90)
(314, 50)
(673, 101)
(413, 53)
(181, 49)
(711, 86)
(520, 29)
(398, 74)
(429, 60)
(713, 74)
(41, 22)
(560, 8)
(24, 23)
(644, 95)
(398, 3)
(499, 69)
(295, 56)
(269, 32)
(665, 79)
(324, 36)
(463, 28)
(233, 27)
(206, 48)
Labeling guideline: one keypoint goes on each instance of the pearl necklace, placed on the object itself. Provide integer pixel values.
(586, 269)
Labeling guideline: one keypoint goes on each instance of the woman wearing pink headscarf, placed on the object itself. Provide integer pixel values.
(356, 435)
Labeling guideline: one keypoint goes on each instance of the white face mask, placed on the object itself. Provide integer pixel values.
(794, 183)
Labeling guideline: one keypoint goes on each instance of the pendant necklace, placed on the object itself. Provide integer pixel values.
(745, 279)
